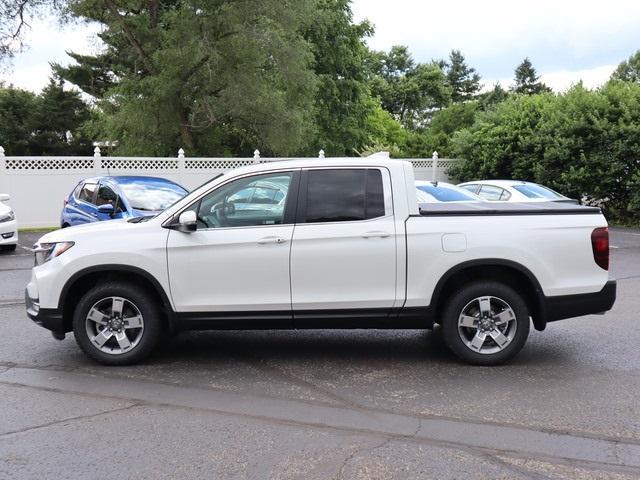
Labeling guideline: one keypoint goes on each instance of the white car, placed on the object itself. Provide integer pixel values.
(351, 248)
(8, 225)
(433, 192)
(514, 191)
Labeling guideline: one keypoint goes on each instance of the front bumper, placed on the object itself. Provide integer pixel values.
(49, 318)
(569, 306)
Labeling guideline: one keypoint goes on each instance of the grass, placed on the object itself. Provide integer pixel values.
(37, 230)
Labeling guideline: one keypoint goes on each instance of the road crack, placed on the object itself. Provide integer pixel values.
(70, 419)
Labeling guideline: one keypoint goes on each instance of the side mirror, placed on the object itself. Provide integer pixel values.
(187, 222)
(4, 197)
(107, 209)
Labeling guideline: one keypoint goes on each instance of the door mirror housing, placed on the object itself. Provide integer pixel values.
(187, 222)
(5, 197)
(107, 209)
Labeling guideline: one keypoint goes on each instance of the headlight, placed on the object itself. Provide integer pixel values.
(46, 251)
(7, 217)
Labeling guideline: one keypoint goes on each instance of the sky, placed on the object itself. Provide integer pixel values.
(567, 40)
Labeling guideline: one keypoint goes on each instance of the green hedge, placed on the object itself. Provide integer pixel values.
(583, 143)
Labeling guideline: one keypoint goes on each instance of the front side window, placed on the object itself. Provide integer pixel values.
(489, 192)
(343, 195)
(246, 202)
(87, 193)
(107, 196)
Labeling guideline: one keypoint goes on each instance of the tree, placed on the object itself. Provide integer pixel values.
(45, 124)
(409, 91)
(16, 120)
(492, 97)
(583, 143)
(343, 102)
(216, 78)
(463, 80)
(629, 70)
(56, 120)
(526, 80)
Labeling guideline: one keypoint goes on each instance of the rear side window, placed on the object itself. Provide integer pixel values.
(87, 194)
(532, 190)
(344, 195)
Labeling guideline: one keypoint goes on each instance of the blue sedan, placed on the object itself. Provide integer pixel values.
(107, 198)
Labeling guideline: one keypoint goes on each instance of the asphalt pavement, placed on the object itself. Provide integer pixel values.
(325, 404)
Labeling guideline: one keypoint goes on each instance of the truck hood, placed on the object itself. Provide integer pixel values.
(101, 230)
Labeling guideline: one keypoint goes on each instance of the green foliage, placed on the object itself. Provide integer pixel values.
(629, 70)
(583, 143)
(216, 78)
(527, 81)
(441, 130)
(462, 80)
(49, 123)
(343, 102)
(409, 91)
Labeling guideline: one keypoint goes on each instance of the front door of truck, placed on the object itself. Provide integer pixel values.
(238, 258)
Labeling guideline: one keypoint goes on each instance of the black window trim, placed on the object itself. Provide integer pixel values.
(290, 207)
(300, 217)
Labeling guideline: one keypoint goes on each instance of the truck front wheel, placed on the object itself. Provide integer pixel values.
(117, 323)
(485, 323)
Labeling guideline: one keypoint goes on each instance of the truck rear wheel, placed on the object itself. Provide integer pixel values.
(117, 323)
(485, 323)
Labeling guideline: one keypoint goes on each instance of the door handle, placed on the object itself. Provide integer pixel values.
(266, 240)
(374, 234)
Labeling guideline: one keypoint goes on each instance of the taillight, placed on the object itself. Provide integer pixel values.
(600, 246)
(66, 199)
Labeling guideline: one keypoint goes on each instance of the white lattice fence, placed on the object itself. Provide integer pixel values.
(38, 185)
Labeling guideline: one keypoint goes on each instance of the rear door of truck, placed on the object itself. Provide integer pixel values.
(343, 254)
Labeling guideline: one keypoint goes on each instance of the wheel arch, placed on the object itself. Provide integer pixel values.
(512, 273)
(83, 280)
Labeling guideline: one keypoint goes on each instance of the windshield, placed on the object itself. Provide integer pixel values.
(152, 196)
(447, 194)
(533, 190)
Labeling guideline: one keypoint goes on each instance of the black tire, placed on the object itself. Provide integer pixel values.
(460, 300)
(8, 248)
(142, 300)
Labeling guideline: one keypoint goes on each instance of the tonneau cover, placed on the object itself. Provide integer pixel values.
(506, 208)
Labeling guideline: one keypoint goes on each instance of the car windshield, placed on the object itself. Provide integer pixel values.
(533, 190)
(447, 194)
(152, 196)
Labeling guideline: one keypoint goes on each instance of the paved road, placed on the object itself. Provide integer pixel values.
(325, 404)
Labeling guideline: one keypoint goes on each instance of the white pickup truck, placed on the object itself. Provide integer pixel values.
(322, 244)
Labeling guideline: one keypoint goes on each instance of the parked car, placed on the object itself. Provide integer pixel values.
(430, 192)
(514, 191)
(8, 225)
(351, 248)
(108, 198)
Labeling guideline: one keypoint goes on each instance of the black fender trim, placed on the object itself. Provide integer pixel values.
(539, 313)
(120, 268)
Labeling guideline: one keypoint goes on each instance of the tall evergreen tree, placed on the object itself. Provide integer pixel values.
(629, 70)
(463, 80)
(216, 78)
(527, 81)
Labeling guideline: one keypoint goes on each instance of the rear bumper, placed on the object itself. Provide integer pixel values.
(49, 318)
(569, 306)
